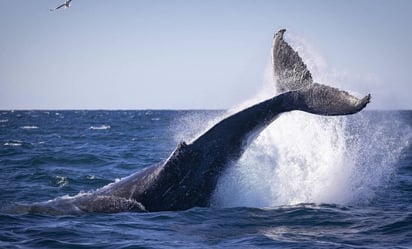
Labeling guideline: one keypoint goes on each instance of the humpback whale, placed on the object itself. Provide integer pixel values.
(189, 176)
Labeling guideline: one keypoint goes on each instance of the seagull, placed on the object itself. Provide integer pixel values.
(65, 5)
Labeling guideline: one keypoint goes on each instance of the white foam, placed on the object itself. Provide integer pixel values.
(101, 127)
(61, 181)
(13, 144)
(91, 177)
(29, 127)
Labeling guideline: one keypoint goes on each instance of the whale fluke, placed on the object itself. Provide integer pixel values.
(292, 74)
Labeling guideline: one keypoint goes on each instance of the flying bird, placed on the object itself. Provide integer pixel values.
(65, 5)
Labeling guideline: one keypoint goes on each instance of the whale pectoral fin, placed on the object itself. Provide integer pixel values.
(325, 100)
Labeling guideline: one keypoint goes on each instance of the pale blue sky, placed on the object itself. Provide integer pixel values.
(194, 54)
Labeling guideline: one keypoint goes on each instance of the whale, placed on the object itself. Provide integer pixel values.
(188, 177)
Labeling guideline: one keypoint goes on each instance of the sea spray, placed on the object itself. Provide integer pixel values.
(189, 127)
(376, 141)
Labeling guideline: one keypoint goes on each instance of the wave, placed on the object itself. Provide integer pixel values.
(29, 127)
(13, 143)
(101, 127)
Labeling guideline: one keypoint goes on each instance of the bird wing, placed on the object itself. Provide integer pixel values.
(58, 7)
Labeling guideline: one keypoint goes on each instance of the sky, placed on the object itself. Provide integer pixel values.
(175, 54)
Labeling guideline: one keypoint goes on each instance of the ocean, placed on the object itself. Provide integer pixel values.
(306, 182)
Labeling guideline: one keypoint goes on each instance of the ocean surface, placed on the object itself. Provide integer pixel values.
(306, 181)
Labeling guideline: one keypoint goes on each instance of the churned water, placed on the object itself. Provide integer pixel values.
(306, 182)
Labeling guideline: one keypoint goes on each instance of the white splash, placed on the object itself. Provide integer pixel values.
(302, 158)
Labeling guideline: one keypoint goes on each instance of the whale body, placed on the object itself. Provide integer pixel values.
(189, 176)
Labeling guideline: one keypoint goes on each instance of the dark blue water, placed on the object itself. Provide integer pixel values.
(47, 154)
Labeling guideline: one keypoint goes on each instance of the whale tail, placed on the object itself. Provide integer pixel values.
(292, 75)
